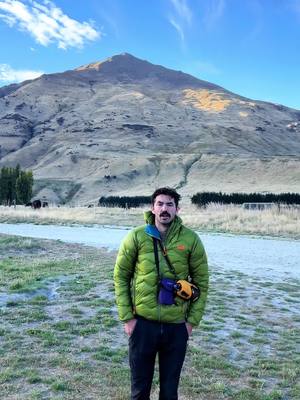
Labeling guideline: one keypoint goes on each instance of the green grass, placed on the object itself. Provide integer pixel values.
(60, 386)
(62, 347)
(19, 243)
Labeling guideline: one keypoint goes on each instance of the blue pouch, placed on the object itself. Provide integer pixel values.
(166, 292)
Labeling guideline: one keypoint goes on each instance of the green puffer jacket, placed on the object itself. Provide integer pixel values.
(136, 276)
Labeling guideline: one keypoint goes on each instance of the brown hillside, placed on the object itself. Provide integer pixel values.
(125, 126)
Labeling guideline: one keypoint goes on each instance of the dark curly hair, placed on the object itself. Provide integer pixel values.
(168, 192)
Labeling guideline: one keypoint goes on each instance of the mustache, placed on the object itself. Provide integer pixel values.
(164, 214)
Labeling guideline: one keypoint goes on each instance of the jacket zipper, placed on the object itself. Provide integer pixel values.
(159, 278)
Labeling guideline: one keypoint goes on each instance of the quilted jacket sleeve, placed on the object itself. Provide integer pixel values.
(123, 273)
(199, 274)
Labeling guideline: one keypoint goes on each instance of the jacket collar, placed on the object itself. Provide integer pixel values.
(152, 231)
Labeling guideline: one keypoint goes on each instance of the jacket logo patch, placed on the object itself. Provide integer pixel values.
(181, 247)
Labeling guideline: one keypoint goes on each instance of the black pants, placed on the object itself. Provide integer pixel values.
(149, 338)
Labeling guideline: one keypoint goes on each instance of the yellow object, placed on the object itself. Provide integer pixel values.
(187, 290)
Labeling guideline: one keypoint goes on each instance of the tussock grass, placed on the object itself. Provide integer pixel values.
(235, 219)
(214, 218)
(72, 215)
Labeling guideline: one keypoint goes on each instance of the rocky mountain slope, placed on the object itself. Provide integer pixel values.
(126, 126)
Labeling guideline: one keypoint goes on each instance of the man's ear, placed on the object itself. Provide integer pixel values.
(177, 210)
(152, 208)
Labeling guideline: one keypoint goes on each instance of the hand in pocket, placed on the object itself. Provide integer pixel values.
(129, 326)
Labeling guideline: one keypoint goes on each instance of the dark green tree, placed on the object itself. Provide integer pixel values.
(14, 175)
(203, 198)
(15, 185)
(124, 201)
(5, 186)
(24, 185)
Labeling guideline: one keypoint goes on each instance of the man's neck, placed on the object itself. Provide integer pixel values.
(163, 229)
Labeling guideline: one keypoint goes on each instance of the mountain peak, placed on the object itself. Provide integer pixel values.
(120, 60)
(126, 68)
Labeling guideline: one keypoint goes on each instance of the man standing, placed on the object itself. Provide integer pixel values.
(156, 320)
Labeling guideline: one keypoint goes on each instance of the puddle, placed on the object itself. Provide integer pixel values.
(50, 292)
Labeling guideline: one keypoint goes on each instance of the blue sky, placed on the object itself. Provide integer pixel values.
(251, 47)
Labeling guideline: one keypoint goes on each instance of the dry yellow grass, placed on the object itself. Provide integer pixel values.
(205, 100)
(212, 101)
(230, 218)
(214, 218)
(72, 215)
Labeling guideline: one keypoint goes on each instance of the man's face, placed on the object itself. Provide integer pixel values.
(164, 209)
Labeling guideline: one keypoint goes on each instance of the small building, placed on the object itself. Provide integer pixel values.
(258, 206)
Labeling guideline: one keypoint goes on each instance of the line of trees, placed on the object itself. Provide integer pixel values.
(204, 198)
(124, 201)
(15, 186)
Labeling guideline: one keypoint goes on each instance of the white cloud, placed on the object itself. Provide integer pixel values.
(214, 11)
(183, 10)
(9, 75)
(111, 13)
(178, 28)
(180, 18)
(47, 23)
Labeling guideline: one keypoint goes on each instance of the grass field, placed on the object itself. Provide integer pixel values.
(215, 218)
(60, 337)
